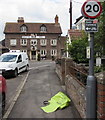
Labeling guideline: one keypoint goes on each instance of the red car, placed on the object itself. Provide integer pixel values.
(2, 94)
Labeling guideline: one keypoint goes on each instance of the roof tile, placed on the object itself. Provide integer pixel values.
(32, 27)
(74, 34)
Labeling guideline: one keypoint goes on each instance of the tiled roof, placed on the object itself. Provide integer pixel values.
(75, 34)
(32, 27)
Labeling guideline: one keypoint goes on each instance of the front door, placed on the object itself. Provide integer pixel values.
(33, 54)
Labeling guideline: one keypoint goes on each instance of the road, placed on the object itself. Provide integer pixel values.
(30, 89)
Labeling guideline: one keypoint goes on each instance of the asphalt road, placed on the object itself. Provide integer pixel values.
(27, 92)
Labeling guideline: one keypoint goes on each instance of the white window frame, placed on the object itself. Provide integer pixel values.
(43, 29)
(53, 52)
(43, 52)
(43, 42)
(23, 42)
(13, 42)
(34, 42)
(23, 29)
(53, 42)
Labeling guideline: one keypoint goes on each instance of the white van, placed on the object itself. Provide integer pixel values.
(13, 62)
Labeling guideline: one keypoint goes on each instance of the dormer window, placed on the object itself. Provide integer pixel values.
(43, 28)
(23, 28)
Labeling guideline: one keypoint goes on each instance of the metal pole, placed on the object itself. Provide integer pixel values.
(91, 83)
(70, 11)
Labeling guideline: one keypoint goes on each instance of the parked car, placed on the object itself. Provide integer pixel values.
(13, 62)
(2, 95)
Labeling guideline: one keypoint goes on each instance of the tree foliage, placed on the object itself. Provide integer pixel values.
(100, 35)
(77, 49)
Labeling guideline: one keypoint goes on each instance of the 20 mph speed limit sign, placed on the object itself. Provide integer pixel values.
(91, 8)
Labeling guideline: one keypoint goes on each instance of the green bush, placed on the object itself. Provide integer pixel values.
(77, 49)
(98, 69)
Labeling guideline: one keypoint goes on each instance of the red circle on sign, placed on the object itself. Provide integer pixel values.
(89, 16)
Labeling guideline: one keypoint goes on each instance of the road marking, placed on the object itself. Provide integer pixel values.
(16, 97)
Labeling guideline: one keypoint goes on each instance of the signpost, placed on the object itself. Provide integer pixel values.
(90, 10)
(91, 25)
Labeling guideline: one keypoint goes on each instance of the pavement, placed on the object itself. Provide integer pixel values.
(40, 84)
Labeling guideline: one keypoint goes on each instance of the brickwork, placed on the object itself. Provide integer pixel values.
(58, 71)
(101, 96)
(77, 91)
(77, 94)
(73, 87)
(63, 71)
(33, 32)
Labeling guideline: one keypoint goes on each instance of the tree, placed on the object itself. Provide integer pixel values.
(77, 49)
(100, 35)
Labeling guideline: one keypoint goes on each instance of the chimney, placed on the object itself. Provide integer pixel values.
(56, 19)
(20, 20)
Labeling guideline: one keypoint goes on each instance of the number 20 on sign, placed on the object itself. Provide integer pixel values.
(91, 9)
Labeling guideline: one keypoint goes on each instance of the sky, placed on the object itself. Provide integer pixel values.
(39, 11)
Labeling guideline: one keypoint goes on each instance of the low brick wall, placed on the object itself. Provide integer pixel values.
(60, 70)
(77, 93)
(101, 95)
(74, 88)
(77, 90)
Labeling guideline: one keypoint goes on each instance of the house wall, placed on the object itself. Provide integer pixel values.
(80, 25)
(60, 43)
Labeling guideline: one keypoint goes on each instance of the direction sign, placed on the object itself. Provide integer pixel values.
(91, 25)
(91, 8)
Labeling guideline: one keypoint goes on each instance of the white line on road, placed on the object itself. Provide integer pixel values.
(16, 97)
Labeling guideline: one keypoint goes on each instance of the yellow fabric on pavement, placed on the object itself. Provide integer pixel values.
(60, 100)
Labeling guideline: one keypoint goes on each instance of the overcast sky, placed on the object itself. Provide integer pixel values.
(38, 11)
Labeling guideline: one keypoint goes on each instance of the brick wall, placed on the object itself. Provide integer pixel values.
(77, 91)
(18, 36)
(74, 89)
(101, 95)
(60, 70)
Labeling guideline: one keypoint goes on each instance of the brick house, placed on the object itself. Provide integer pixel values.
(74, 34)
(35, 38)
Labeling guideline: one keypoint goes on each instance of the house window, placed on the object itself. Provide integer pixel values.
(43, 42)
(13, 42)
(80, 26)
(33, 42)
(43, 52)
(23, 42)
(53, 42)
(23, 29)
(53, 52)
(43, 28)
